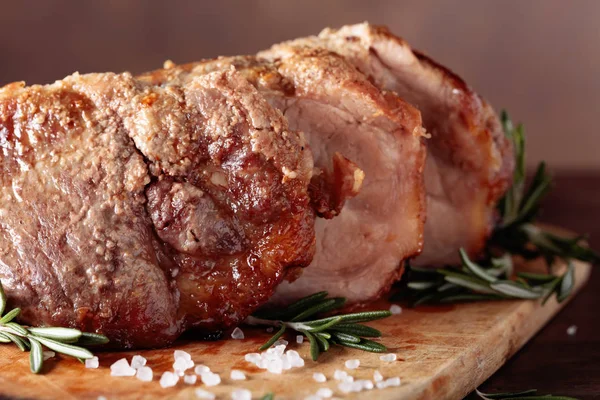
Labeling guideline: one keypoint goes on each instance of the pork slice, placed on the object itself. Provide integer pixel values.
(140, 211)
(360, 252)
(469, 163)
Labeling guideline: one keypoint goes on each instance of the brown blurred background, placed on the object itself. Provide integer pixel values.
(539, 59)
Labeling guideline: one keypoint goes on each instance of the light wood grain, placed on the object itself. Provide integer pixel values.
(444, 352)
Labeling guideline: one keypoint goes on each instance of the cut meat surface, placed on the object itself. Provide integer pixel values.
(366, 144)
(469, 161)
(141, 211)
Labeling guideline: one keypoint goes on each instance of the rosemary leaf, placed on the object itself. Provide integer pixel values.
(18, 329)
(65, 335)
(325, 326)
(91, 339)
(366, 345)
(314, 345)
(466, 297)
(536, 278)
(357, 330)
(421, 285)
(566, 285)
(551, 289)
(302, 304)
(469, 282)
(515, 290)
(273, 339)
(2, 300)
(63, 348)
(4, 339)
(36, 356)
(505, 395)
(268, 396)
(346, 337)
(474, 268)
(9, 316)
(316, 309)
(323, 341)
(365, 316)
(21, 344)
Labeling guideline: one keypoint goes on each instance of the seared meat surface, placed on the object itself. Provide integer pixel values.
(140, 211)
(360, 252)
(469, 162)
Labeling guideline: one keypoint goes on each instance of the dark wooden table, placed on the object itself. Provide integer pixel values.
(554, 362)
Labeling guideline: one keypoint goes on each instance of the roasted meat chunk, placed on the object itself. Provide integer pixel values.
(368, 151)
(140, 211)
(469, 162)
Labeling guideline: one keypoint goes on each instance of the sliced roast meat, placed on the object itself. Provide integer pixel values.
(469, 161)
(359, 253)
(140, 211)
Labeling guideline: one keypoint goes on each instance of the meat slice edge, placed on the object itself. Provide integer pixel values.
(470, 162)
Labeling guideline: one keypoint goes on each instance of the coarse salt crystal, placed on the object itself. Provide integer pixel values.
(181, 364)
(48, 354)
(144, 374)
(237, 375)
(252, 357)
(366, 384)
(339, 375)
(190, 379)
(200, 369)
(377, 377)
(319, 377)
(275, 366)
(388, 357)
(121, 368)
(92, 362)
(325, 393)
(168, 379)
(241, 394)
(237, 334)
(281, 342)
(182, 354)
(138, 362)
(392, 382)
(352, 364)
(299, 339)
(345, 387)
(210, 379)
(205, 395)
(395, 309)
(572, 330)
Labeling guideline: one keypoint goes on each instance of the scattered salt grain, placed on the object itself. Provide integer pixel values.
(299, 339)
(377, 377)
(48, 354)
(345, 387)
(92, 362)
(392, 382)
(190, 379)
(366, 384)
(144, 374)
(352, 364)
(138, 362)
(319, 377)
(395, 309)
(237, 334)
(121, 368)
(182, 354)
(200, 369)
(210, 378)
(572, 330)
(241, 394)
(205, 395)
(181, 364)
(388, 357)
(325, 393)
(237, 375)
(168, 379)
(281, 342)
(339, 375)
(253, 358)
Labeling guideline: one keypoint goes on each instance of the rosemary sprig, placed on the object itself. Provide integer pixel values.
(61, 340)
(524, 395)
(342, 330)
(478, 282)
(519, 208)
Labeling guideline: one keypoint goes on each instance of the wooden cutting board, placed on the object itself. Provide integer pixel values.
(444, 352)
